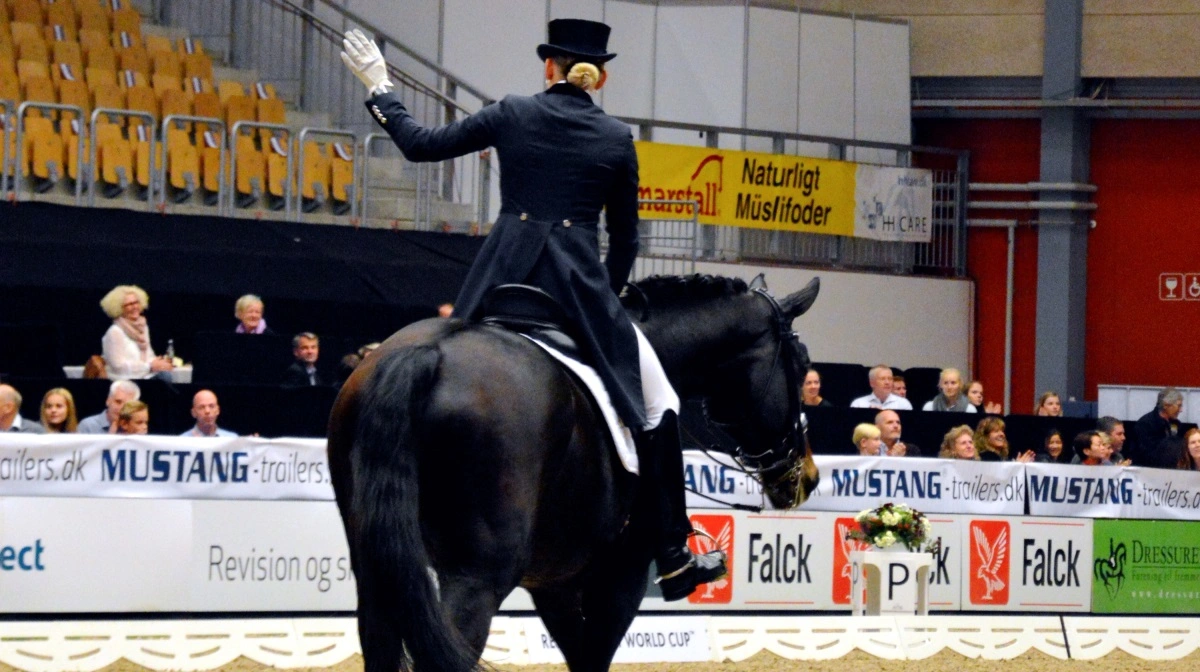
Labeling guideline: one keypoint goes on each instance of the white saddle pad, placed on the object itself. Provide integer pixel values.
(622, 437)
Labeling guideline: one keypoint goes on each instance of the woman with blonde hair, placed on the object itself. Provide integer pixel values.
(959, 444)
(58, 411)
(992, 444)
(249, 312)
(1189, 457)
(126, 344)
(1049, 404)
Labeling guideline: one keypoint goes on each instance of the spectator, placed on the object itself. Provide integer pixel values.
(1090, 448)
(346, 366)
(10, 413)
(1115, 429)
(1189, 457)
(1049, 405)
(951, 397)
(1157, 433)
(867, 440)
(975, 396)
(206, 410)
(881, 396)
(58, 412)
(810, 391)
(992, 444)
(899, 386)
(306, 348)
(446, 310)
(134, 418)
(120, 393)
(249, 312)
(1052, 449)
(888, 423)
(126, 344)
(959, 444)
(1112, 455)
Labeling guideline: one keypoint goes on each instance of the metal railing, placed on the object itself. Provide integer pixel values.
(20, 140)
(162, 172)
(6, 107)
(665, 246)
(301, 148)
(233, 160)
(93, 174)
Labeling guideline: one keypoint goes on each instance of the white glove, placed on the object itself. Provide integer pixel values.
(364, 60)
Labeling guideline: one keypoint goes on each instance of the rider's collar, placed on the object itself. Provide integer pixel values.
(570, 89)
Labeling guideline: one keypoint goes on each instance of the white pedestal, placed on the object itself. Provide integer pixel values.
(894, 582)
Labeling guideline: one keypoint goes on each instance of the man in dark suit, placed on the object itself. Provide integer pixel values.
(1157, 433)
(10, 413)
(562, 161)
(303, 372)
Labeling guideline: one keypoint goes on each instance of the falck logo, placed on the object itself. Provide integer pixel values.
(989, 572)
(720, 528)
(842, 548)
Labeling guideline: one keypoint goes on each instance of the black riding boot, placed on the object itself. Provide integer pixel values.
(660, 460)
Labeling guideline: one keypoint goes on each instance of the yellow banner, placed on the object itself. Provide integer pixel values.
(748, 189)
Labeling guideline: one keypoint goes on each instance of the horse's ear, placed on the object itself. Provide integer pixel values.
(797, 303)
(759, 282)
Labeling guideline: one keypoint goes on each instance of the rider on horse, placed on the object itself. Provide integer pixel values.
(563, 160)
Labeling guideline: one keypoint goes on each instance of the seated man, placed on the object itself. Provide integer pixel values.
(888, 423)
(10, 413)
(120, 393)
(1115, 429)
(306, 348)
(900, 386)
(881, 395)
(1157, 433)
(206, 410)
(951, 397)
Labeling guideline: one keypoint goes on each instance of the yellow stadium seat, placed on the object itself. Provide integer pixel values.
(183, 164)
(41, 90)
(189, 45)
(163, 83)
(251, 171)
(239, 108)
(102, 56)
(277, 152)
(174, 101)
(227, 89)
(27, 70)
(270, 110)
(196, 85)
(130, 78)
(198, 65)
(8, 63)
(142, 99)
(31, 50)
(167, 63)
(127, 20)
(315, 189)
(115, 158)
(210, 163)
(69, 53)
(10, 87)
(341, 181)
(63, 71)
(139, 138)
(70, 137)
(206, 105)
(134, 58)
(124, 39)
(90, 39)
(93, 17)
(58, 32)
(25, 31)
(61, 13)
(42, 154)
(263, 90)
(99, 77)
(108, 95)
(74, 92)
(27, 11)
(156, 44)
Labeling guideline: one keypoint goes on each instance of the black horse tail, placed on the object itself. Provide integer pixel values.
(400, 616)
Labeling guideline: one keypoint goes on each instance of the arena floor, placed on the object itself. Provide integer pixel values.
(1033, 661)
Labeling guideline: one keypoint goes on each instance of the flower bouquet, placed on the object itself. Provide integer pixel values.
(891, 524)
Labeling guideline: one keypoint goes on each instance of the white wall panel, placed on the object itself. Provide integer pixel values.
(491, 44)
(882, 107)
(826, 75)
(773, 73)
(698, 68)
(631, 90)
(577, 9)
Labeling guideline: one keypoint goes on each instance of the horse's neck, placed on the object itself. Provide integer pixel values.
(693, 342)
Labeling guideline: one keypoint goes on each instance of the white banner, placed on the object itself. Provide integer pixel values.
(1113, 492)
(650, 639)
(893, 204)
(162, 467)
(1027, 564)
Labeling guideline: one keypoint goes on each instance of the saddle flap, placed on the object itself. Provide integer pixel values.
(531, 311)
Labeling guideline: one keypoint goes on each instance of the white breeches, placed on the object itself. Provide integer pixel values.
(657, 392)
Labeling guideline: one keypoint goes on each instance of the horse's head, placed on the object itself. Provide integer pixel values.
(738, 352)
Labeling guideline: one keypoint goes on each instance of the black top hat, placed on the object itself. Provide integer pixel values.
(582, 39)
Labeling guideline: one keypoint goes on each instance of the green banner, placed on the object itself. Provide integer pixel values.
(1146, 567)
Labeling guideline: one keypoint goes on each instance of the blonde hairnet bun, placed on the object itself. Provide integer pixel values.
(584, 75)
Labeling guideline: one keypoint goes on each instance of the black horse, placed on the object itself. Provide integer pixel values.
(467, 462)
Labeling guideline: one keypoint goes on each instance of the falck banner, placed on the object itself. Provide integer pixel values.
(786, 193)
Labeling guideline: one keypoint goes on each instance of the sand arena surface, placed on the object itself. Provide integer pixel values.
(857, 661)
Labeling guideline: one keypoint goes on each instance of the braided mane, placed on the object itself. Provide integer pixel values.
(688, 289)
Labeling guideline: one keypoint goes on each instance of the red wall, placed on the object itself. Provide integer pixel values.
(1148, 176)
(1001, 151)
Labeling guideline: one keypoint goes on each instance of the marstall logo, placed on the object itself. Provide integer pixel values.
(1110, 571)
(705, 193)
(842, 548)
(720, 528)
(989, 572)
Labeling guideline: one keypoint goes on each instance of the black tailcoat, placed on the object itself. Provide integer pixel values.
(562, 160)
